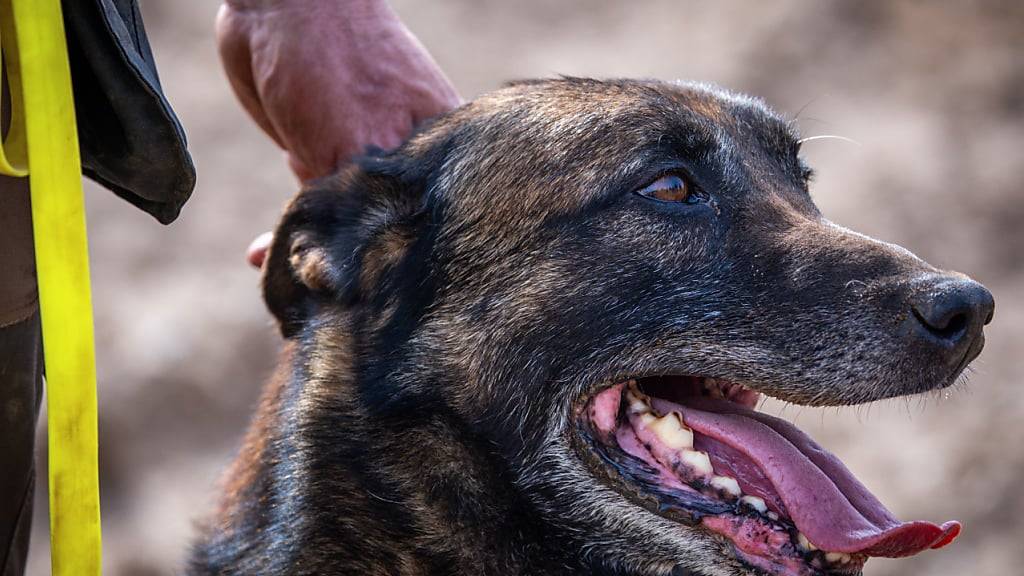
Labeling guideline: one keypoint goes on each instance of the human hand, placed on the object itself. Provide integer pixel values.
(326, 79)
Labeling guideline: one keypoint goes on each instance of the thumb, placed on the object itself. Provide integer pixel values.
(257, 251)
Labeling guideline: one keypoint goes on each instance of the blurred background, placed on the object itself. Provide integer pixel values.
(933, 91)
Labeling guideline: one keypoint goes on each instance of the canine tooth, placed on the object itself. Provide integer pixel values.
(804, 543)
(638, 401)
(727, 485)
(837, 557)
(771, 515)
(639, 407)
(699, 461)
(671, 431)
(756, 503)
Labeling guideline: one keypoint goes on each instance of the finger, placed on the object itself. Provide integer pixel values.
(256, 254)
(235, 49)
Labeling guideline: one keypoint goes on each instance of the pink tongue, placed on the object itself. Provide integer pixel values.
(823, 498)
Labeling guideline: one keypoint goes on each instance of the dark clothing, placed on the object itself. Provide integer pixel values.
(21, 372)
(18, 297)
(130, 139)
(21, 390)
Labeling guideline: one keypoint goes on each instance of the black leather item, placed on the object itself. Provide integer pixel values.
(131, 141)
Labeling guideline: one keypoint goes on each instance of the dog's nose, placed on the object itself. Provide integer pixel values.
(952, 312)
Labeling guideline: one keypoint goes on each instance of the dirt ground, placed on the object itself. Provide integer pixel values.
(933, 91)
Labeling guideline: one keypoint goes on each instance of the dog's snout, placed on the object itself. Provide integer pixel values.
(952, 312)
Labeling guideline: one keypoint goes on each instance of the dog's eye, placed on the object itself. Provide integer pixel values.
(672, 188)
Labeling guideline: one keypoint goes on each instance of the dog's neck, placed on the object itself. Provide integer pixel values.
(327, 487)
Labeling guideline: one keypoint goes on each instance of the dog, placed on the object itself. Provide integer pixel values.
(531, 341)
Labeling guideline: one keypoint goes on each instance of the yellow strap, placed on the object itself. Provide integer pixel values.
(37, 59)
(13, 161)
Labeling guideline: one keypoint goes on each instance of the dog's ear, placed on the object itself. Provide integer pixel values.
(322, 241)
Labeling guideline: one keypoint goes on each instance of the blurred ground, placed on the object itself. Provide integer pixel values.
(934, 91)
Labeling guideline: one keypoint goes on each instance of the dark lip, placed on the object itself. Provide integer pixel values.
(923, 386)
(961, 366)
(609, 473)
(970, 355)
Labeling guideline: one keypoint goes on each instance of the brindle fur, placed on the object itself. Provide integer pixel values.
(447, 305)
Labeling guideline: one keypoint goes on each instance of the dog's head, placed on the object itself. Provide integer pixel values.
(598, 279)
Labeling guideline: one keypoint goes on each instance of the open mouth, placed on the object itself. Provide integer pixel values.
(695, 450)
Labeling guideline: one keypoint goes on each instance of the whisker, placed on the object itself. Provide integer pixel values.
(829, 137)
(807, 119)
(805, 106)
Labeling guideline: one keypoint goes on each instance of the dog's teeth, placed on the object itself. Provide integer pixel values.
(697, 461)
(771, 515)
(837, 557)
(755, 503)
(804, 543)
(638, 406)
(638, 401)
(671, 431)
(727, 485)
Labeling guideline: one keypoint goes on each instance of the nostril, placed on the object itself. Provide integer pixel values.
(956, 324)
(946, 328)
(953, 311)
